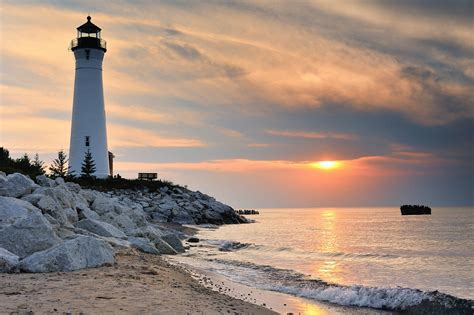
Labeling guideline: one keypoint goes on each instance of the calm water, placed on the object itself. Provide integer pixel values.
(349, 256)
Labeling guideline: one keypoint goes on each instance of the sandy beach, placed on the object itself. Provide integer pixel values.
(137, 283)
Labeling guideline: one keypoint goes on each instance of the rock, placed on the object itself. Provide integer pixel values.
(44, 181)
(182, 217)
(122, 222)
(163, 247)
(71, 215)
(16, 185)
(78, 253)
(83, 212)
(23, 229)
(116, 242)
(59, 181)
(33, 198)
(73, 187)
(63, 197)
(143, 245)
(100, 228)
(103, 205)
(213, 217)
(8, 261)
(54, 209)
(89, 195)
(193, 240)
(174, 242)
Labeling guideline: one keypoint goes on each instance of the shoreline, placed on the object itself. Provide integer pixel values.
(136, 283)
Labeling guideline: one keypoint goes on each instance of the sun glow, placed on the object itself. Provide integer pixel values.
(326, 165)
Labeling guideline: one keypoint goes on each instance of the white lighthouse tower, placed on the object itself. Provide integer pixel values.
(88, 129)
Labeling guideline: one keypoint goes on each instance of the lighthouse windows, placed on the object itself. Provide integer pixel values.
(87, 141)
(88, 52)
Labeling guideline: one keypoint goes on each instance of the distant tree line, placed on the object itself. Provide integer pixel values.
(60, 168)
(34, 167)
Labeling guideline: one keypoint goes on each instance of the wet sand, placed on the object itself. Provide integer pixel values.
(137, 283)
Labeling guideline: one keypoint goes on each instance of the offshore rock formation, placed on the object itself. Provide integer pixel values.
(53, 225)
(415, 210)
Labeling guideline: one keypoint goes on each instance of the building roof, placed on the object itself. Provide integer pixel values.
(88, 27)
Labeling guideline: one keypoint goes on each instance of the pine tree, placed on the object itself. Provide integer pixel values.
(38, 165)
(88, 165)
(59, 166)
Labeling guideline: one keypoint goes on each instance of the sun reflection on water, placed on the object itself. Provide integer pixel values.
(312, 309)
(328, 268)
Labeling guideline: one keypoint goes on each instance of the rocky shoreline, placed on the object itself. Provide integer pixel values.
(56, 226)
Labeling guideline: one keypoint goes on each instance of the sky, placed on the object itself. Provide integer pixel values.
(242, 99)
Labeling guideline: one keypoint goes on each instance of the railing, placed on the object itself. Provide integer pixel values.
(88, 42)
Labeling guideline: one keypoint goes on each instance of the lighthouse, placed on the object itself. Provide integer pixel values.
(88, 127)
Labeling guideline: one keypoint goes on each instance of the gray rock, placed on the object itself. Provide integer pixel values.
(44, 181)
(73, 187)
(78, 253)
(103, 204)
(83, 212)
(163, 247)
(121, 221)
(182, 217)
(100, 228)
(33, 198)
(150, 232)
(71, 215)
(143, 244)
(59, 181)
(89, 195)
(174, 242)
(50, 206)
(8, 261)
(23, 229)
(16, 185)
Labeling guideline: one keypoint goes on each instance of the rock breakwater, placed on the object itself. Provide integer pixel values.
(53, 225)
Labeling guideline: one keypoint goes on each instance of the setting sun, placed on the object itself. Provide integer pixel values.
(326, 165)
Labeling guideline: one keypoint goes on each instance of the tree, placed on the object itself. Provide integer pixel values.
(88, 165)
(59, 166)
(38, 165)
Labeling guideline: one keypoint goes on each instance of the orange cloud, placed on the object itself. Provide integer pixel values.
(125, 136)
(311, 135)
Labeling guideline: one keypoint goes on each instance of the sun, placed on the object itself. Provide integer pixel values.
(326, 165)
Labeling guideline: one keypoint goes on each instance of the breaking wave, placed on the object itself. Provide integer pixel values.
(407, 300)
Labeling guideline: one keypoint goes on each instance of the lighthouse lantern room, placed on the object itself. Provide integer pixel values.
(88, 128)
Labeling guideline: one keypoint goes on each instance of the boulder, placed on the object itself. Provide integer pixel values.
(150, 232)
(121, 221)
(78, 253)
(23, 229)
(33, 198)
(174, 242)
(44, 181)
(8, 261)
(16, 185)
(182, 217)
(163, 247)
(143, 244)
(50, 206)
(100, 228)
(89, 195)
(193, 240)
(103, 204)
(83, 212)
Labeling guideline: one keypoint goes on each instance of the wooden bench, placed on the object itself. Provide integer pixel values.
(147, 176)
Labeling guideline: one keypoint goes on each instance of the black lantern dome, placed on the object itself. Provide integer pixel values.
(88, 36)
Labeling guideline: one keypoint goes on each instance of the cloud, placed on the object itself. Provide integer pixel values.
(311, 135)
(126, 136)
